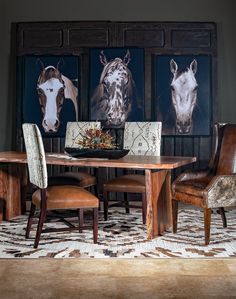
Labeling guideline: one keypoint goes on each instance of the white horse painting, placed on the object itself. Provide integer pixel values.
(184, 95)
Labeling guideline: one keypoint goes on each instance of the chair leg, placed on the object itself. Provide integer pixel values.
(126, 203)
(207, 225)
(81, 219)
(42, 217)
(105, 203)
(223, 217)
(30, 220)
(144, 207)
(175, 215)
(95, 225)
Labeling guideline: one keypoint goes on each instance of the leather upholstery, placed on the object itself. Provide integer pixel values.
(141, 138)
(127, 183)
(74, 132)
(53, 197)
(81, 179)
(214, 187)
(66, 197)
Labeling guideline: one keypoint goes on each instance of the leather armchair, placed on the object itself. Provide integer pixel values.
(214, 187)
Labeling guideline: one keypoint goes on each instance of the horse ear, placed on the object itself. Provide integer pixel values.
(39, 63)
(173, 66)
(103, 58)
(127, 58)
(60, 63)
(193, 66)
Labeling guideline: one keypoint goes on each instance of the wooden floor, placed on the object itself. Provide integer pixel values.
(121, 279)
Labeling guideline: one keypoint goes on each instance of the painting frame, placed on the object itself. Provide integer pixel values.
(31, 110)
(201, 115)
(135, 64)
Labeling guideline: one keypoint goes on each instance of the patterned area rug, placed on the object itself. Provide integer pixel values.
(122, 236)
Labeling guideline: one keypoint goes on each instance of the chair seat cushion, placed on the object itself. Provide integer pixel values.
(66, 197)
(126, 183)
(193, 187)
(81, 179)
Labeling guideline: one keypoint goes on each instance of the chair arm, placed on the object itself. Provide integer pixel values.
(191, 175)
(221, 191)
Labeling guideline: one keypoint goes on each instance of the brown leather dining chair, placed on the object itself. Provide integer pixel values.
(53, 197)
(214, 187)
(74, 133)
(141, 138)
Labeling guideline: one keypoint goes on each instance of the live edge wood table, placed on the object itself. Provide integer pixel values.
(13, 177)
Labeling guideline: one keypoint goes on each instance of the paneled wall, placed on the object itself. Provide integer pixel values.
(156, 38)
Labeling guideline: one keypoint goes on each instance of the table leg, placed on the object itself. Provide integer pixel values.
(12, 179)
(158, 194)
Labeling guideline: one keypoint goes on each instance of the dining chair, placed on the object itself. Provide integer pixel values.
(213, 188)
(74, 133)
(141, 138)
(53, 197)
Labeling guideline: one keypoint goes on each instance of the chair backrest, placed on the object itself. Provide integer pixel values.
(75, 131)
(35, 155)
(143, 138)
(227, 150)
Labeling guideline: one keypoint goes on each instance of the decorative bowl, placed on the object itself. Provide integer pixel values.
(96, 153)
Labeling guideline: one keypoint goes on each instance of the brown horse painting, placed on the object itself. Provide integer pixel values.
(112, 101)
(53, 88)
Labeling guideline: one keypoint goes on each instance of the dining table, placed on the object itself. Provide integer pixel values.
(157, 169)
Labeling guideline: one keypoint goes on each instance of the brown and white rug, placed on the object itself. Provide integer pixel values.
(123, 236)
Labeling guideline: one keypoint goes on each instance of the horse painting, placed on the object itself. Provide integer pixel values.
(184, 95)
(113, 98)
(52, 89)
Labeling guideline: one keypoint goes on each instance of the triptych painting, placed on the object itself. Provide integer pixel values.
(181, 99)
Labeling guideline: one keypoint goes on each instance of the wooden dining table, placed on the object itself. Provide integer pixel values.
(157, 169)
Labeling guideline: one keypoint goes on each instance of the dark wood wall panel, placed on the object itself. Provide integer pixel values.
(88, 37)
(191, 38)
(42, 39)
(157, 38)
(149, 38)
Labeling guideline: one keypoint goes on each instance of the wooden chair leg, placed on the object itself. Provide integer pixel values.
(30, 220)
(223, 217)
(95, 225)
(126, 203)
(207, 225)
(144, 207)
(42, 217)
(105, 203)
(174, 215)
(81, 219)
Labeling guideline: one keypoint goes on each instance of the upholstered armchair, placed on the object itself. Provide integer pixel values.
(214, 188)
(141, 138)
(53, 197)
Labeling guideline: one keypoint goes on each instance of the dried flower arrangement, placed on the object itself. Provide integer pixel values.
(94, 138)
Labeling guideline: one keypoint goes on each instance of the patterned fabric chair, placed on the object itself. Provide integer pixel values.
(216, 186)
(52, 197)
(83, 179)
(141, 138)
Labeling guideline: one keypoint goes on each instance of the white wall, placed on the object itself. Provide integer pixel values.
(219, 11)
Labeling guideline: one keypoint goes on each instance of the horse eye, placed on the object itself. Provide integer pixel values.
(61, 90)
(40, 91)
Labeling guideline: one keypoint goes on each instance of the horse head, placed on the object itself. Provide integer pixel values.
(115, 90)
(184, 95)
(52, 89)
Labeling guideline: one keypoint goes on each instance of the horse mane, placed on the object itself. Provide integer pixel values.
(71, 92)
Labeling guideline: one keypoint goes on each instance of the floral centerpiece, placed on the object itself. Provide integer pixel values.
(94, 138)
